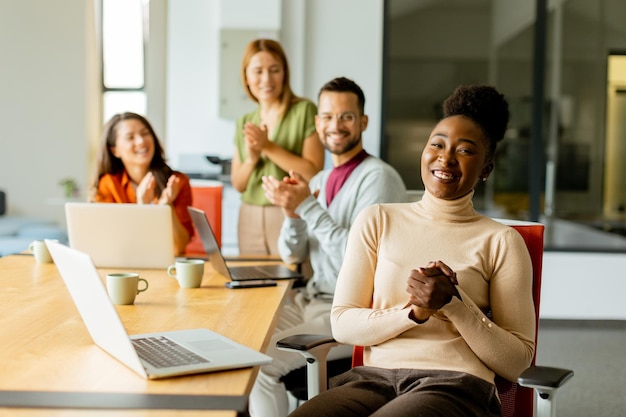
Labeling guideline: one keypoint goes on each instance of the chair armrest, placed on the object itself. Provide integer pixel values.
(303, 342)
(545, 381)
(544, 377)
(314, 348)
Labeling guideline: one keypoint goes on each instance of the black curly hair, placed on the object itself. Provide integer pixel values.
(485, 106)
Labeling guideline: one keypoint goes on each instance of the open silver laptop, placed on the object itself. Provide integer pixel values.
(234, 273)
(122, 235)
(186, 351)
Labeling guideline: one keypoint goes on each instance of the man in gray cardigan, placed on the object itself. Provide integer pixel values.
(318, 216)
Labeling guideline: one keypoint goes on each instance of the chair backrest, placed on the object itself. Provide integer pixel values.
(3, 202)
(209, 199)
(517, 401)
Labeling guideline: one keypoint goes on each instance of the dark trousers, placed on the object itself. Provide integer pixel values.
(368, 391)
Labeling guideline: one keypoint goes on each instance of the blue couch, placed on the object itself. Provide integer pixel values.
(17, 232)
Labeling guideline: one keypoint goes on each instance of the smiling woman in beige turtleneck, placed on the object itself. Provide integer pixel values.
(418, 280)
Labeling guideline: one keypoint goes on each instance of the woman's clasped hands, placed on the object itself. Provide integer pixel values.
(430, 288)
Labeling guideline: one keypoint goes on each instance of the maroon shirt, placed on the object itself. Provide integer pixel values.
(340, 174)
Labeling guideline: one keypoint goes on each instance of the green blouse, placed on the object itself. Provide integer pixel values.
(290, 133)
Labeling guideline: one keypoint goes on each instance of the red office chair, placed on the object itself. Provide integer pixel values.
(516, 398)
(207, 197)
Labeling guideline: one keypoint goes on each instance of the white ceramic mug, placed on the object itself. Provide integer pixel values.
(123, 287)
(188, 272)
(40, 251)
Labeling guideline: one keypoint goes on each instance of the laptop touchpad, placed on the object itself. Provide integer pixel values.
(211, 345)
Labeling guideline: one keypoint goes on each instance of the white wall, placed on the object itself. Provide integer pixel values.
(318, 41)
(335, 47)
(192, 85)
(583, 286)
(46, 77)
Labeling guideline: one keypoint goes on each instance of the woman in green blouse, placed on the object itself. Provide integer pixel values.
(277, 137)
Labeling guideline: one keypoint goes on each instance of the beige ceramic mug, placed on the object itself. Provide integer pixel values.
(40, 251)
(188, 272)
(123, 287)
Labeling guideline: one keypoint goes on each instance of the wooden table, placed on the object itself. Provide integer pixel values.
(46, 347)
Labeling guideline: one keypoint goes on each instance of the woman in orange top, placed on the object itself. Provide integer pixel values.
(131, 168)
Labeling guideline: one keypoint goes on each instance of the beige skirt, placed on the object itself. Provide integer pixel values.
(258, 229)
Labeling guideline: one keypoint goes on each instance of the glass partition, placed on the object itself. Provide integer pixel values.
(435, 46)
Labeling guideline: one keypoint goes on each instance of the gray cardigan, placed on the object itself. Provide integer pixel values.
(321, 232)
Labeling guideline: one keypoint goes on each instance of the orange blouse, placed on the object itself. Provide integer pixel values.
(117, 188)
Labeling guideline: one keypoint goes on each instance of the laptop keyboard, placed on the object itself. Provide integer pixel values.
(161, 352)
(242, 272)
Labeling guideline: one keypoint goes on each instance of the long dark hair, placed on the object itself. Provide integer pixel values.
(108, 163)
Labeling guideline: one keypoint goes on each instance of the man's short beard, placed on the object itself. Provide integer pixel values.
(351, 145)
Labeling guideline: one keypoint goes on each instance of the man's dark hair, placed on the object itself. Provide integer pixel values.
(344, 85)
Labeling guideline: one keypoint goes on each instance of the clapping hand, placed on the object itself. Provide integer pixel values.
(288, 193)
(146, 189)
(256, 139)
(171, 190)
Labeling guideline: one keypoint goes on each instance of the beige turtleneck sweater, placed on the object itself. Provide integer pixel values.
(494, 271)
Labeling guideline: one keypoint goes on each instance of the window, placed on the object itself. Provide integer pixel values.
(124, 36)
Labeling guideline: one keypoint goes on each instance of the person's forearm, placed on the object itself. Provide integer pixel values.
(288, 161)
(515, 346)
(181, 235)
(293, 242)
(240, 174)
(368, 327)
(331, 235)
